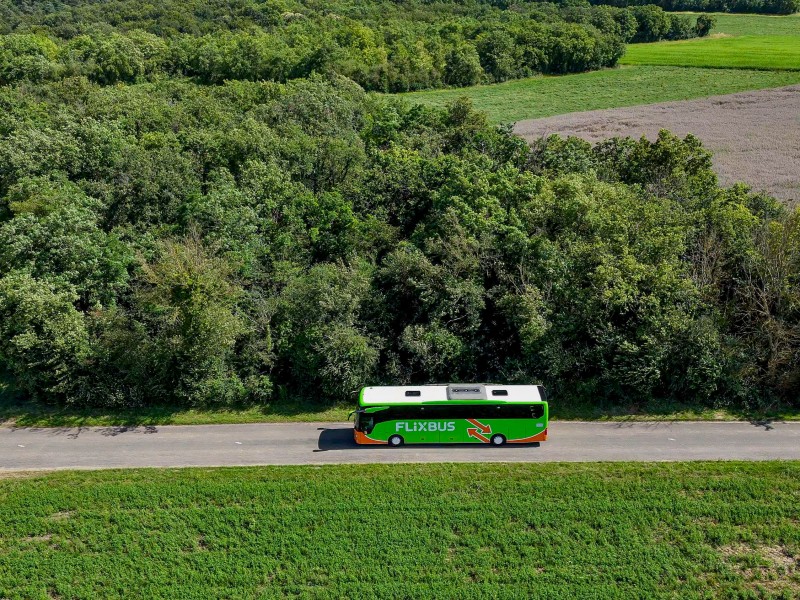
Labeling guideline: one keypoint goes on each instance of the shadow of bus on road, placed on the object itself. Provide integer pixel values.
(341, 438)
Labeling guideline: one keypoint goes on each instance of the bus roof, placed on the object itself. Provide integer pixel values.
(454, 392)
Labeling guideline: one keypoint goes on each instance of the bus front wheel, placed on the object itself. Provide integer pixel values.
(396, 440)
(498, 439)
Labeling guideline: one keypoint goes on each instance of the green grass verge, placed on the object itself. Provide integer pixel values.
(18, 413)
(661, 411)
(31, 414)
(626, 86)
(769, 52)
(688, 530)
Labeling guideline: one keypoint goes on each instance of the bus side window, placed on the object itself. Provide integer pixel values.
(457, 412)
(403, 413)
(493, 411)
(393, 413)
(511, 411)
(438, 412)
(537, 411)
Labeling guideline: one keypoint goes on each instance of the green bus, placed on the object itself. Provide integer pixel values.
(469, 413)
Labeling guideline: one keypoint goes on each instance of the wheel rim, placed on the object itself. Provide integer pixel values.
(498, 440)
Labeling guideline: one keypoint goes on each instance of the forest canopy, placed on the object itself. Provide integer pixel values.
(171, 242)
(380, 44)
(201, 204)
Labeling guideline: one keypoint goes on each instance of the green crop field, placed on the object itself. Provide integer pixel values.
(729, 24)
(773, 52)
(691, 530)
(612, 88)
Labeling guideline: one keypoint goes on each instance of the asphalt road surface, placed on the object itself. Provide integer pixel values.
(23, 449)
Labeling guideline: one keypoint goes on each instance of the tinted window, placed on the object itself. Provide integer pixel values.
(467, 411)
(407, 413)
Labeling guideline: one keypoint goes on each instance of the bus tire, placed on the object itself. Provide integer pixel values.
(396, 440)
(498, 439)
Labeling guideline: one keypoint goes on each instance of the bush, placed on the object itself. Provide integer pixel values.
(705, 24)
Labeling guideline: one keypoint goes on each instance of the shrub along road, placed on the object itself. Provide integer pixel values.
(323, 443)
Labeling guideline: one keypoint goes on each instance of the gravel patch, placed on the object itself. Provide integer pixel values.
(755, 136)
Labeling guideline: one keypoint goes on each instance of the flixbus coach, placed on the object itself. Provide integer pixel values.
(454, 413)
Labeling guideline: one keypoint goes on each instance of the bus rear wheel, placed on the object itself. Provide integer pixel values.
(396, 440)
(498, 439)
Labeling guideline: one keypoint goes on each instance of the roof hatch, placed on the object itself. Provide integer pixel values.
(466, 391)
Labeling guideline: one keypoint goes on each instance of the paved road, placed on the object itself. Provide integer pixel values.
(325, 443)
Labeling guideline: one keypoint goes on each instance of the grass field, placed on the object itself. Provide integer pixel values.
(729, 24)
(768, 56)
(693, 530)
(625, 86)
(771, 52)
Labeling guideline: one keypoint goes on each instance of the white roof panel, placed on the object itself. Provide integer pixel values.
(396, 394)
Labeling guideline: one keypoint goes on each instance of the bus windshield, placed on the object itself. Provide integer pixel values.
(364, 421)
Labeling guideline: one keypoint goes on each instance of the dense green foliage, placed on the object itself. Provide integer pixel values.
(688, 530)
(189, 237)
(382, 45)
(768, 7)
(171, 242)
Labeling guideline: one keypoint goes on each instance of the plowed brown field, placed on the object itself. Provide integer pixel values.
(755, 136)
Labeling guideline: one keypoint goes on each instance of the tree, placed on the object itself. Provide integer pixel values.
(188, 304)
(43, 338)
(55, 235)
(27, 56)
(106, 59)
(497, 51)
(462, 66)
(322, 343)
